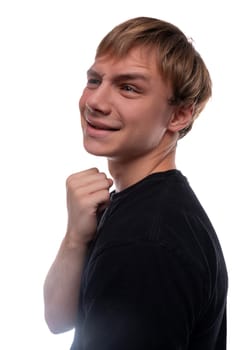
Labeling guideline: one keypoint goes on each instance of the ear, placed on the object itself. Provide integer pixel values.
(181, 118)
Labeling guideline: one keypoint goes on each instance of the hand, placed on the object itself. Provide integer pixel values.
(87, 191)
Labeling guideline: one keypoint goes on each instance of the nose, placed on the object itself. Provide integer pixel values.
(98, 100)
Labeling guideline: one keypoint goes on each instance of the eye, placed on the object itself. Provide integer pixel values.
(93, 82)
(128, 88)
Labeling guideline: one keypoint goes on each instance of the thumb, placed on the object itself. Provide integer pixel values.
(110, 181)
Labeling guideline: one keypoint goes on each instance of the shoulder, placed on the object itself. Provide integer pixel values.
(162, 210)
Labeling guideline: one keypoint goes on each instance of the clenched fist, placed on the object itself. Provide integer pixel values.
(87, 191)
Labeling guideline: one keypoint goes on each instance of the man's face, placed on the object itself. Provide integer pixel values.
(124, 106)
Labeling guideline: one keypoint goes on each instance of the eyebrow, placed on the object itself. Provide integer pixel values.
(93, 72)
(120, 77)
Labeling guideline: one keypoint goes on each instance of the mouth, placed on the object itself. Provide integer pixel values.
(101, 126)
(98, 130)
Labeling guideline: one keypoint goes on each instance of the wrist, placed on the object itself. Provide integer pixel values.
(73, 240)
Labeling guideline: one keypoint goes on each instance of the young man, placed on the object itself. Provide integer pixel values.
(141, 267)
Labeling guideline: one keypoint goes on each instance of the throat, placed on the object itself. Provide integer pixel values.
(126, 174)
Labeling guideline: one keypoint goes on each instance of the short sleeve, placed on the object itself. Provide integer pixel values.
(140, 296)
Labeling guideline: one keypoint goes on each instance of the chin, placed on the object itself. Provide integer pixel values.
(94, 150)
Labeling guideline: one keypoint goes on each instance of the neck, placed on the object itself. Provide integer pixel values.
(128, 172)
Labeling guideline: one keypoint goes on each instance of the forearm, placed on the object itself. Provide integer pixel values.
(86, 191)
(62, 285)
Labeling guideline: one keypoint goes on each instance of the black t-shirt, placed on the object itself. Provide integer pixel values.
(155, 276)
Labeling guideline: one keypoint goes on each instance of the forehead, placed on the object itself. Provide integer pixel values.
(141, 60)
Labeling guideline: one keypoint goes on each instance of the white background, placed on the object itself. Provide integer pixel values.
(46, 47)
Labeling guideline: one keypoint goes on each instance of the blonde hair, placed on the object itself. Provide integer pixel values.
(178, 61)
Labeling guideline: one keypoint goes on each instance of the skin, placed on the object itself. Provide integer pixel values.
(129, 98)
(86, 191)
(125, 116)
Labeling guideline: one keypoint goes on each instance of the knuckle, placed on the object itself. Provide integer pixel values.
(94, 170)
(70, 179)
(102, 175)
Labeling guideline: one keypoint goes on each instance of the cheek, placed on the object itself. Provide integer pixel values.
(149, 126)
(82, 101)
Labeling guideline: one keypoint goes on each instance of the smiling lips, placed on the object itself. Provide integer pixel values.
(98, 130)
(101, 126)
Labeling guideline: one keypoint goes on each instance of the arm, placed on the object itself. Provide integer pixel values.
(62, 284)
(86, 192)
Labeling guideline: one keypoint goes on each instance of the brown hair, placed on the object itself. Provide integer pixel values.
(178, 61)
